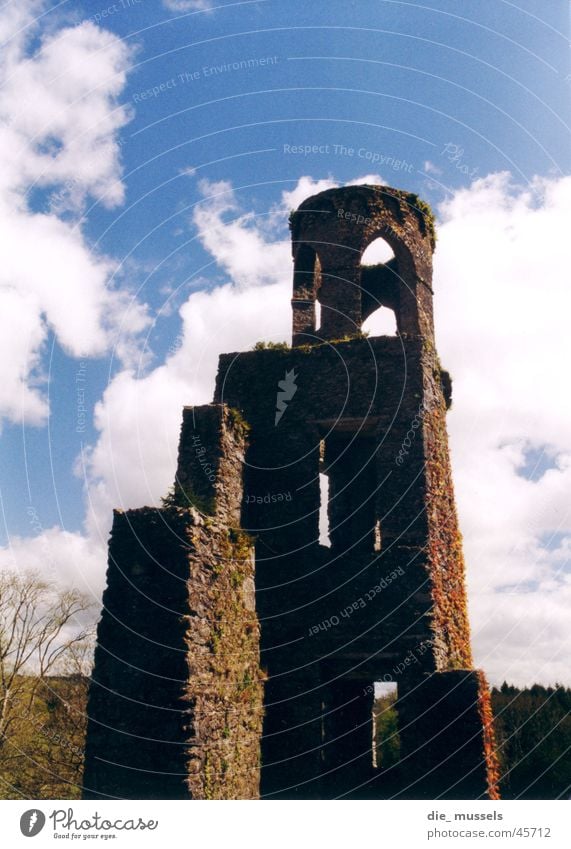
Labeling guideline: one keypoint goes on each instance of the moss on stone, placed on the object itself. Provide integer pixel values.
(183, 496)
(271, 346)
(239, 422)
(427, 216)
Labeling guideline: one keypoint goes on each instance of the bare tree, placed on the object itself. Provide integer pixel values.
(43, 633)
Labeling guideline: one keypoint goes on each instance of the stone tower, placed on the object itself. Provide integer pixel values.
(239, 645)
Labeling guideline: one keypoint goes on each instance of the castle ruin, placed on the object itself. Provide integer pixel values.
(237, 653)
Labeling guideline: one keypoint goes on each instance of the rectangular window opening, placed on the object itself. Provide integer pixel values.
(324, 538)
(377, 538)
(386, 738)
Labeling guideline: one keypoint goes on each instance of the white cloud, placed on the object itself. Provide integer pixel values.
(307, 186)
(61, 112)
(14, 20)
(430, 168)
(236, 240)
(523, 637)
(59, 120)
(502, 306)
(70, 560)
(304, 188)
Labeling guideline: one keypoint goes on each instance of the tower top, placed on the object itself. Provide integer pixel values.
(330, 233)
(373, 206)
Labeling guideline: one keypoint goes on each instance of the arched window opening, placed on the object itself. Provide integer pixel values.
(306, 275)
(306, 284)
(380, 289)
(377, 252)
(383, 322)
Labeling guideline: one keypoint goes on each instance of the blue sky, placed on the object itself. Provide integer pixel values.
(152, 153)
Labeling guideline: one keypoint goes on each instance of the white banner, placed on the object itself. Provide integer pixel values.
(281, 825)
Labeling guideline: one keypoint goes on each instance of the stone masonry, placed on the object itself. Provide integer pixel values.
(237, 652)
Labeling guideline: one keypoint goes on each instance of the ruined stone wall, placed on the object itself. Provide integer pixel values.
(445, 561)
(374, 389)
(203, 657)
(446, 734)
(138, 717)
(175, 706)
(390, 396)
(224, 686)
